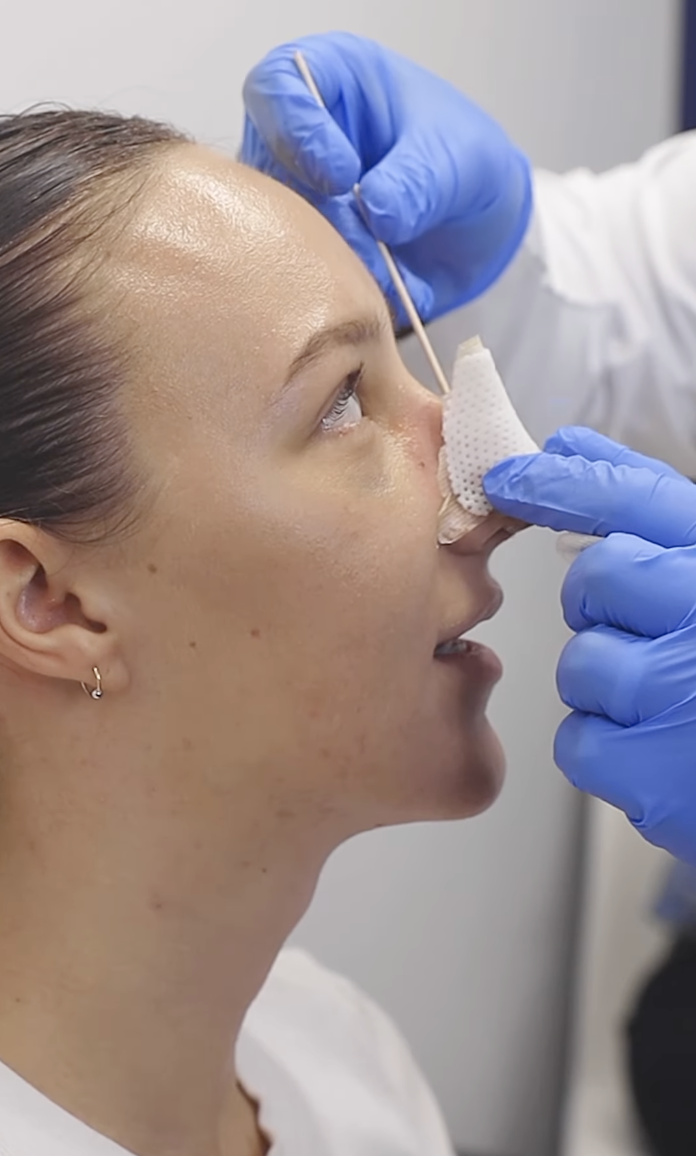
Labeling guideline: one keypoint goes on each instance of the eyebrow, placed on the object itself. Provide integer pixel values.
(357, 331)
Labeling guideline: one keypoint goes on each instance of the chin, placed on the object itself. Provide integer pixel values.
(485, 773)
(473, 784)
(453, 784)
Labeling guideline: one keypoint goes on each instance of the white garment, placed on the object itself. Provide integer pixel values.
(594, 322)
(332, 1074)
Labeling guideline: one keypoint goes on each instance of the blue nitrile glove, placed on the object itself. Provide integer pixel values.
(441, 183)
(629, 674)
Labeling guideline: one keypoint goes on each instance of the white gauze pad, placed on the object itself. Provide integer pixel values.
(480, 428)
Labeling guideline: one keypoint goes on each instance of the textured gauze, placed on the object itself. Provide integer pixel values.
(480, 428)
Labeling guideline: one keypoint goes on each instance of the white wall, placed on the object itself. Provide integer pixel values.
(463, 931)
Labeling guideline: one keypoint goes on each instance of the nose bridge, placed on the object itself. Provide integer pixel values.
(427, 417)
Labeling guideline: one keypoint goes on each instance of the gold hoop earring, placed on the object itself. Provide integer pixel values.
(94, 692)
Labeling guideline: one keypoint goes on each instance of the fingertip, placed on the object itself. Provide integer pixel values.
(386, 206)
(568, 440)
(576, 752)
(565, 746)
(377, 203)
(582, 587)
(331, 162)
(505, 473)
(585, 752)
(321, 156)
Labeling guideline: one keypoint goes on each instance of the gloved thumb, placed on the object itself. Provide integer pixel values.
(595, 497)
(300, 134)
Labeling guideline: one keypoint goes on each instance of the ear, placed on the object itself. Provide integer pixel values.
(55, 620)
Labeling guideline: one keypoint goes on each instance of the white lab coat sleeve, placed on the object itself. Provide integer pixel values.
(594, 322)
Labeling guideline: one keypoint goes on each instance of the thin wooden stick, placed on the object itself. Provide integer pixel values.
(392, 267)
(412, 313)
(303, 69)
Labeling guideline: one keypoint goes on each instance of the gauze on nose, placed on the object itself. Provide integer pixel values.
(479, 428)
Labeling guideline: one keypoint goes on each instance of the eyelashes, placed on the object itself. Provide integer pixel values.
(346, 410)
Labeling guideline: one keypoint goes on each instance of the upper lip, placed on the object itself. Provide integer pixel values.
(491, 607)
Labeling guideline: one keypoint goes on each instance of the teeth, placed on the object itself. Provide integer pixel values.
(454, 646)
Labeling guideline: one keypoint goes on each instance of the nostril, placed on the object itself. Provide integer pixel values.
(490, 533)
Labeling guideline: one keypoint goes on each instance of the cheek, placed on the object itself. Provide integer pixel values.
(312, 671)
(324, 577)
(366, 598)
(306, 599)
(346, 628)
(350, 553)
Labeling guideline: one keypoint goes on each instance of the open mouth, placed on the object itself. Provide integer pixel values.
(453, 646)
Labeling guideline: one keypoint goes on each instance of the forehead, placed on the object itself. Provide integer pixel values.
(229, 273)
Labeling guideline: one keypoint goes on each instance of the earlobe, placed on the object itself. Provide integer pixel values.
(44, 629)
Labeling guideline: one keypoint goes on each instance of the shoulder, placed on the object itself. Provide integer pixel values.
(328, 1029)
(304, 994)
(298, 971)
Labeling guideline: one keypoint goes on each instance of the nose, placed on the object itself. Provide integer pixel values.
(427, 419)
(494, 529)
(491, 532)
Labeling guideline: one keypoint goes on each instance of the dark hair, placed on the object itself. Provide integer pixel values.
(67, 181)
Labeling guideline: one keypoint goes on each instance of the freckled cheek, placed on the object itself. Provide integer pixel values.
(377, 579)
(322, 622)
(402, 558)
(312, 578)
(339, 716)
(380, 608)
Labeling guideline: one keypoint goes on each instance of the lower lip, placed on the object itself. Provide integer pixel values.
(475, 654)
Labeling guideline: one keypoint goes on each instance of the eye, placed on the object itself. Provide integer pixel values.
(346, 411)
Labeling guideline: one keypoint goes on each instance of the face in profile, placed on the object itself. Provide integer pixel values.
(283, 596)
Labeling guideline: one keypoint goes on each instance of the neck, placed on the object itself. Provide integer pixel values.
(130, 956)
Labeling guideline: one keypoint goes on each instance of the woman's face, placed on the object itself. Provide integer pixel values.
(282, 601)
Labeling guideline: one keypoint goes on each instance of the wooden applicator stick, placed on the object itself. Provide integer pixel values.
(392, 268)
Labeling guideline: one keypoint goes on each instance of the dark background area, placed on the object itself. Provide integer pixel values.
(688, 97)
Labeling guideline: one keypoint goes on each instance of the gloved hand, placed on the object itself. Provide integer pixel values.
(629, 674)
(441, 183)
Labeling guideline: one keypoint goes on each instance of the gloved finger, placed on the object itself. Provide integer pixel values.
(625, 766)
(403, 202)
(572, 440)
(400, 197)
(597, 673)
(589, 749)
(624, 677)
(594, 497)
(633, 585)
(299, 133)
